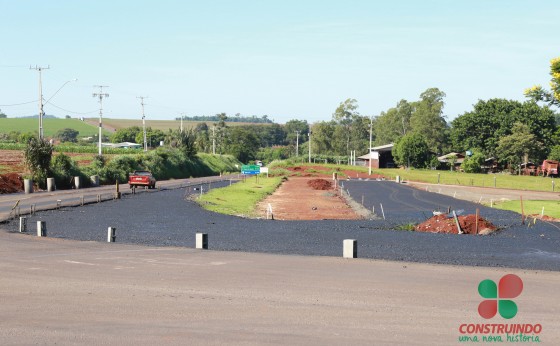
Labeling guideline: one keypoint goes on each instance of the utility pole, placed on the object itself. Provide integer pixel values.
(297, 143)
(370, 130)
(214, 140)
(309, 142)
(144, 122)
(100, 95)
(182, 114)
(41, 112)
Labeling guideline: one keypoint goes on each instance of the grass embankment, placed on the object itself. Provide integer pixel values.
(551, 208)
(240, 198)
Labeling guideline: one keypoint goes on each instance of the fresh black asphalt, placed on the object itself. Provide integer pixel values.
(169, 218)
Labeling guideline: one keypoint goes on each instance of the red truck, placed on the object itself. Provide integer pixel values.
(141, 178)
(549, 167)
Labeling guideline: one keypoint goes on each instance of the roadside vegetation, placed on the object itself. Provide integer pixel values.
(240, 198)
(551, 208)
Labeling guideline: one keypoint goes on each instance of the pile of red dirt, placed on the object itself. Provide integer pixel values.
(444, 224)
(320, 184)
(10, 183)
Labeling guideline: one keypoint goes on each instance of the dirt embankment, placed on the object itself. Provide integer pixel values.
(446, 224)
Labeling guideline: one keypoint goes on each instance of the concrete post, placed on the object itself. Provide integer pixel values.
(398, 179)
(111, 235)
(350, 248)
(22, 224)
(28, 185)
(41, 229)
(50, 184)
(201, 240)
(94, 180)
(77, 183)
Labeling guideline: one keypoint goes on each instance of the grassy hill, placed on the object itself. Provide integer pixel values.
(50, 126)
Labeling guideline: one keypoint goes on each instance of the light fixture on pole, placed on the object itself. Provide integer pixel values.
(100, 95)
(41, 112)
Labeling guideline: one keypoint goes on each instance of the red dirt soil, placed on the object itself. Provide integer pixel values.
(320, 184)
(10, 183)
(444, 224)
(326, 172)
(295, 199)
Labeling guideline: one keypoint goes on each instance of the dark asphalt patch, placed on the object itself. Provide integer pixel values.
(168, 218)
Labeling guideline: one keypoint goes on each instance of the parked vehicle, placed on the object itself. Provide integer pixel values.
(141, 178)
(549, 167)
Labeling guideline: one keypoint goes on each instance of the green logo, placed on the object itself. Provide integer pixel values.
(498, 297)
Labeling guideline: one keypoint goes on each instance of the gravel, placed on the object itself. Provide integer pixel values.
(169, 218)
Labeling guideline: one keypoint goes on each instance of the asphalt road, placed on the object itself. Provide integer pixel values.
(168, 218)
(60, 292)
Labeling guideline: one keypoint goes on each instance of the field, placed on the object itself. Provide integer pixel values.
(163, 125)
(50, 126)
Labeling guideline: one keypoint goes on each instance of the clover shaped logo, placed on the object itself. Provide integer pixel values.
(498, 298)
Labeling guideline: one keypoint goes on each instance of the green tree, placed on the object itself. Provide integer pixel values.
(552, 97)
(67, 135)
(127, 134)
(428, 119)
(554, 153)
(345, 116)
(321, 138)
(474, 163)
(521, 143)
(393, 124)
(203, 142)
(294, 125)
(482, 128)
(38, 155)
(242, 144)
(412, 151)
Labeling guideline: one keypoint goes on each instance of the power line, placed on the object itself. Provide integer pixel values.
(69, 111)
(19, 104)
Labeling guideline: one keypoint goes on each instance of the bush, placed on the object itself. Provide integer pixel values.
(473, 164)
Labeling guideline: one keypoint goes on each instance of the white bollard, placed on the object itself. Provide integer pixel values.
(41, 229)
(77, 183)
(111, 235)
(94, 180)
(50, 184)
(22, 224)
(201, 240)
(350, 248)
(28, 185)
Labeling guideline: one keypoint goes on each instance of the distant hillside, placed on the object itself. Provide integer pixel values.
(253, 119)
(50, 126)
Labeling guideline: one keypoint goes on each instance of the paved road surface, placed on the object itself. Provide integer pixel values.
(66, 292)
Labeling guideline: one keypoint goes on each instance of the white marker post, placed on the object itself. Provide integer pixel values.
(202, 241)
(350, 248)
(111, 235)
(41, 229)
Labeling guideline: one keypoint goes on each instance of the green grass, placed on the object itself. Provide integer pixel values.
(503, 181)
(240, 198)
(551, 208)
(50, 126)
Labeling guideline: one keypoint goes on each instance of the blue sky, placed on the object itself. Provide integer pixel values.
(286, 59)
